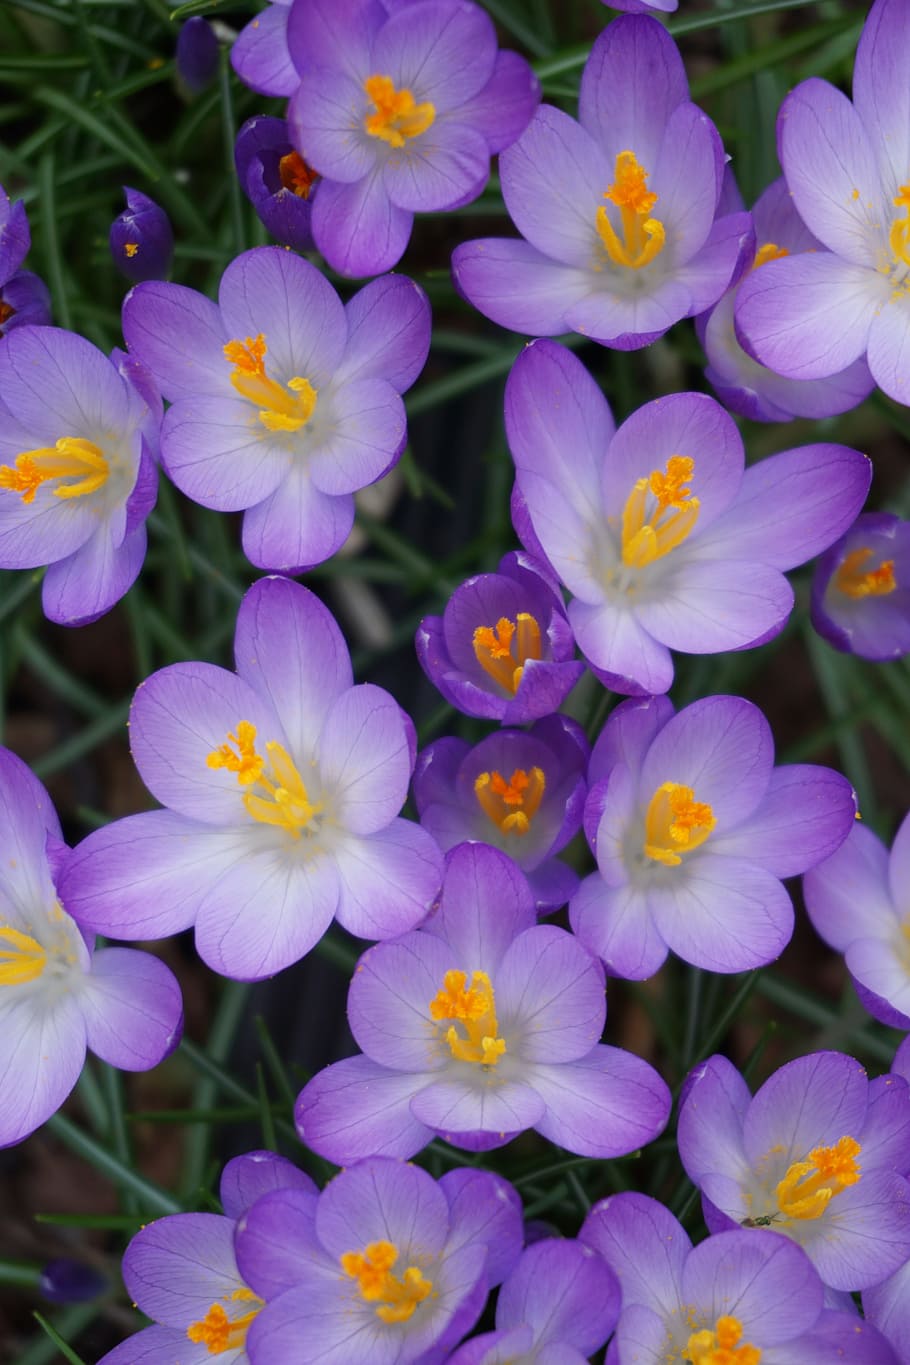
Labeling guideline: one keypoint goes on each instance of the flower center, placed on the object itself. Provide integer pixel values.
(899, 235)
(809, 1186)
(503, 650)
(720, 1345)
(283, 407)
(396, 1296)
(642, 236)
(474, 1008)
(275, 794)
(768, 251)
(512, 804)
(71, 458)
(220, 1333)
(853, 582)
(21, 957)
(296, 175)
(398, 116)
(675, 823)
(649, 533)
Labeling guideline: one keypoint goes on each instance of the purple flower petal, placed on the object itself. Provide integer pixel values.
(275, 1241)
(132, 1007)
(642, 1241)
(879, 90)
(486, 902)
(42, 1052)
(443, 52)
(83, 586)
(550, 991)
(389, 1002)
(484, 1207)
(805, 815)
(628, 734)
(178, 334)
(632, 82)
(811, 1101)
(297, 526)
(889, 348)
(357, 1108)
(566, 1292)
(762, 1279)
(704, 609)
(388, 332)
(449, 166)
(175, 1267)
(326, 118)
(388, 880)
(364, 759)
(381, 1198)
(604, 1105)
(711, 1118)
(457, 1108)
(615, 924)
(357, 227)
(58, 384)
(248, 1177)
(335, 34)
(368, 435)
(505, 105)
(620, 651)
(260, 55)
(517, 286)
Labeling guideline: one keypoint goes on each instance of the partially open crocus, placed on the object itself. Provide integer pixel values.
(276, 180)
(820, 1155)
(78, 439)
(618, 211)
(24, 298)
(284, 401)
(861, 589)
(282, 782)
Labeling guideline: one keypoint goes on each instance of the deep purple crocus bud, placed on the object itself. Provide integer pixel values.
(197, 54)
(67, 1281)
(142, 242)
(276, 180)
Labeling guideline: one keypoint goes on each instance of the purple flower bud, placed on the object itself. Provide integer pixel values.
(197, 53)
(66, 1281)
(141, 239)
(276, 180)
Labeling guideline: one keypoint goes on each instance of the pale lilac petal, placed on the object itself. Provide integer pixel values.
(357, 1108)
(618, 802)
(550, 991)
(885, 1145)
(444, 53)
(505, 105)
(297, 526)
(388, 880)
(381, 1198)
(622, 653)
(616, 924)
(517, 286)
(174, 1268)
(218, 454)
(326, 119)
(729, 246)
(388, 333)
(810, 1102)
(364, 759)
(711, 1118)
(805, 815)
(335, 33)
(486, 902)
(632, 82)
(43, 531)
(179, 335)
(389, 1002)
(880, 90)
(455, 1107)
(641, 1241)
(154, 1344)
(447, 166)
(887, 1305)
(687, 177)
(368, 435)
(58, 384)
(877, 964)
(566, 1292)
(357, 227)
(605, 1105)
(28, 818)
(889, 348)
(872, 1237)
(724, 914)
(42, 1051)
(628, 734)
(248, 1177)
(899, 862)
(484, 1207)
(627, 322)
(132, 1007)
(275, 1242)
(260, 56)
(762, 1279)
(86, 584)
(706, 606)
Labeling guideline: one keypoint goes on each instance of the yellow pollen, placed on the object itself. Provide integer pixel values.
(675, 824)
(275, 793)
(296, 175)
(769, 251)
(282, 407)
(899, 236)
(642, 236)
(721, 1346)
(219, 1333)
(21, 957)
(809, 1186)
(131, 248)
(511, 805)
(475, 1008)
(851, 580)
(503, 650)
(396, 1296)
(650, 534)
(398, 116)
(71, 458)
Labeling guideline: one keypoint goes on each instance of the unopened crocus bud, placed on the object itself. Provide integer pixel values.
(197, 53)
(67, 1281)
(141, 239)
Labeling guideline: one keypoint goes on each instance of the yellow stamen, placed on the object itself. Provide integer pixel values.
(503, 650)
(398, 116)
(851, 581)
(720, 1346)
(275, 792)
(131, 248)
(649, 535)
(280, 410)
(71, 458)
(475, 1008)
(642, 236)
(24, 959)
(511, 805)
(296, 175)
(899, 236)
(770, 251)
(675, 823)
(397, 1296)
(218, 1332)
(809, 1186)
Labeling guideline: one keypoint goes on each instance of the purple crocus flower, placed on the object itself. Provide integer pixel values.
(282, 784)
(276, 180)
(847, 167)
(736, 1299)
(141, 239)
(664, 539)
(887, 1305)
(23, 296)
(742, 384)
(15, 237)
(386, 1265)
(820, 1155)
(617, 211)
(858, 902)
(521, 791)
(57, 996)
(181, 1271)
(400, 113)
(197, 53)
(284, 400)
(693, 828)
(559, 1305)
(260, 55)
(503, 649)
(861, 589)
(475, 1027)
(78, 436)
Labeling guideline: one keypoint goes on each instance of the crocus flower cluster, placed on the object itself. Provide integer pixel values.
(23, 296)
(861, 589)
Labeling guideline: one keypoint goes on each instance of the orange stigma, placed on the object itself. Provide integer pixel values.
(642, 236)
(296, 175)
(503, 650)
(852, 581)
(282, 407)
(511, 804)
(396, 1296)
(475, 1008)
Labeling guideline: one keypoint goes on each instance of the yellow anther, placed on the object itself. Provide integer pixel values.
(475, 1008)
(675, 824)
(899, 236)
(295, 175)
(642, 236)
(22, 957)
(503, 650)
(131, 248)
(769, 251)
(72, 458)
(275, 793)
(651, 533)
(219, 1333)
(282, 407)
(512, 803)
(398, 116)
(397, 1296)
(720, 1345)
(853, 582)
(809, 1186)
